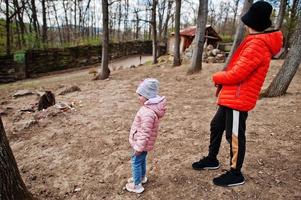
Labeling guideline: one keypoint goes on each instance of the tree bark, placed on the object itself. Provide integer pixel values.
(66, 28)
(177, 57)
(235, 14)
(57, 23)
(281, 14)
(20, 20)
(281, 82)
(291, 25)
(154, 31)
(126, 17)
(44, 29)
(35, 19)
(239, 35)
(165, 28)
(12, 186)
(198, 43)
(105, 71)
(7, 25)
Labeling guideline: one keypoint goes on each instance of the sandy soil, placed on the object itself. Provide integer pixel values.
(84, 153)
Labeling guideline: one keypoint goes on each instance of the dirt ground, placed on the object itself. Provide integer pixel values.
(84, 153)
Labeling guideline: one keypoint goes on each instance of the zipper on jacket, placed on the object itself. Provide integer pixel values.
(238, 90)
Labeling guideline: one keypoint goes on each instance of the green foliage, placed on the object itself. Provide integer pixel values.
(227, 38)
(32, 41)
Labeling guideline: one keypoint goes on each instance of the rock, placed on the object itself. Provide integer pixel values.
(62, 106)
(210, 47)
(4, 102)
(50, 112)
(215, 52)
(77, 189)
(132, 66)
(210, 59)
(25, 124)
(70, 90)
(21, 93)
(30, 108)
(2, 112)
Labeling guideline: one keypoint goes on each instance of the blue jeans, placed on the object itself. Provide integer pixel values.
(138, 167)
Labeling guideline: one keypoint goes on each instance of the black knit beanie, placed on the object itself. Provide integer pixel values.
(258, 16)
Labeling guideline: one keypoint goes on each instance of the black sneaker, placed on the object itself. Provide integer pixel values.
(206, 163)
(229, 179)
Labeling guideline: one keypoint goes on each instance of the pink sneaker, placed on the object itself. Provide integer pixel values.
(131, 187)
(144, 180)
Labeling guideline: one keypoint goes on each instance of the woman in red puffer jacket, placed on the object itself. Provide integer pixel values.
(241, 83)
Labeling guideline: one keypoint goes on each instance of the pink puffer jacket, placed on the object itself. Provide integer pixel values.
(145, 127)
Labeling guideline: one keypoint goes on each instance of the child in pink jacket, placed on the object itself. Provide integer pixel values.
(144, 131)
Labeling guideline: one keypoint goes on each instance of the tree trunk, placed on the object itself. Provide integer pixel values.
(165, 30)
(161, 12)
(20, 20)
(58, 24)
(235, 14)
(35, 19)
(8, 50)
(239, 35)
(12, 186)
(289, 68)
(19, 45)
(281, 14)
(105, 71)
(66, 28)
(198, 43)
(177, 58)
(154, 31)
(291, 25)
(44, 29)
(126, 16)
(119, 22)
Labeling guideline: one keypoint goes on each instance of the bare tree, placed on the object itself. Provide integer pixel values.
(291, 25)
(239, 35)
(35, 19)
(154, 31)
(44, 29)
(57, 23)
(67, 26)
(289, 68)
(176, 54)
(281, 14)
(19, 10)
(12, 186)
(7, 25)
(105, 71)
(235, 10)
(226, 13)
(199, 39)
(165, 28)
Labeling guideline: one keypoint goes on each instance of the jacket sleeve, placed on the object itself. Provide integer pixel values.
(248, 61)
(144, 133)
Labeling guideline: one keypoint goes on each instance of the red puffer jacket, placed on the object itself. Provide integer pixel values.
(245, 74)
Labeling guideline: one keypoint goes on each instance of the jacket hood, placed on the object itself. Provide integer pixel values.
(272, 39)
(158, 105)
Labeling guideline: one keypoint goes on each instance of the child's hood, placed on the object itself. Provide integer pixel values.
(273, 40)
(157, 104)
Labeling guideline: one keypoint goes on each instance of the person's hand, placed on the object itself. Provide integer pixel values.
(218, 89)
